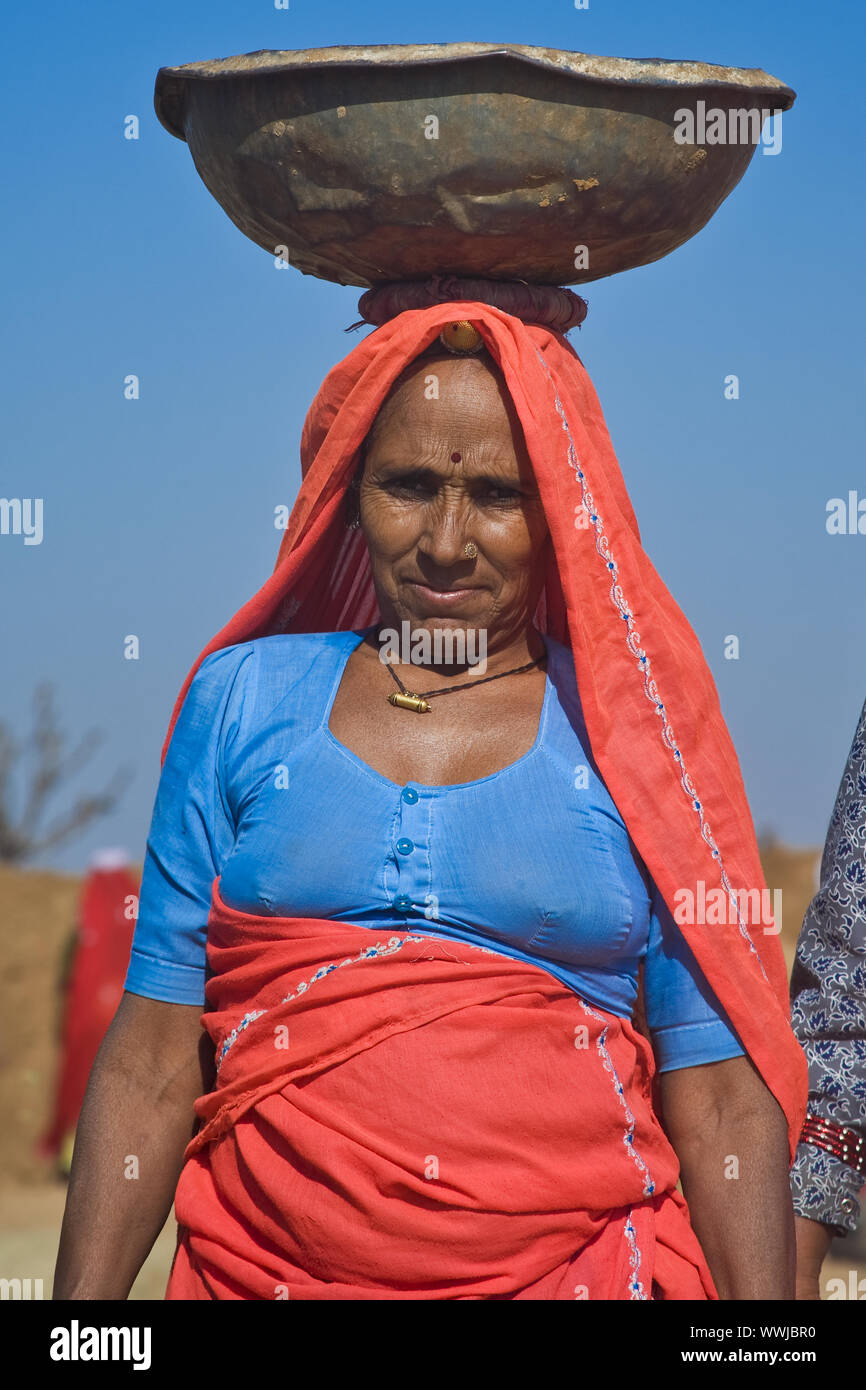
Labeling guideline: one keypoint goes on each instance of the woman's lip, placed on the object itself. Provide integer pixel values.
(446, 596)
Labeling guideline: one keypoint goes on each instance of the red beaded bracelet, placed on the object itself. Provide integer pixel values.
(844, 1144)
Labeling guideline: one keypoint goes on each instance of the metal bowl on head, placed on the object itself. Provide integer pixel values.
(399, 162)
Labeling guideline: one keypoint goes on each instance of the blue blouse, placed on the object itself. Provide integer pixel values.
(533, 861)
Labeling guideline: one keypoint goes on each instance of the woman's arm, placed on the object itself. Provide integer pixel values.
(813, 1247)
(731, 1138)
(828, 1015)
(155, 1059)
(135, 1123)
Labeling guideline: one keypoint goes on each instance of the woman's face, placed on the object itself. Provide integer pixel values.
(446, 463)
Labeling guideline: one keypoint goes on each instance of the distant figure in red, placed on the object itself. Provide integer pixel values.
(91, 990)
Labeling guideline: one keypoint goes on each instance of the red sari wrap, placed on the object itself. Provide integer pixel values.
(446, 1130)
(420, 1118)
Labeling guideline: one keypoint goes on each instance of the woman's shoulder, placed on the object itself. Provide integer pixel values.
(239, 691)
(560, 670)
(566, 732)
(266, 671)
(299, 648)
(286, 652)
(299, 660)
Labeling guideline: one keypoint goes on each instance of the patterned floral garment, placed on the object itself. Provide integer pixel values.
(828, 996)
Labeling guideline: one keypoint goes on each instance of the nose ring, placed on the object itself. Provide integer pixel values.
(470, 550)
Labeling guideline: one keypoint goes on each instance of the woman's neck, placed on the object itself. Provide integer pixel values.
(448, 652)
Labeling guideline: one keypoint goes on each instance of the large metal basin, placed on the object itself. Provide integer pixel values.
(326, 152)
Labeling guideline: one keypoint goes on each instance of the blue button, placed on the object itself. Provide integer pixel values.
(405, 846)
(410, 795)
(403, 903)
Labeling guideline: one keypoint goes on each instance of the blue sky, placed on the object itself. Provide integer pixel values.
(158, 513)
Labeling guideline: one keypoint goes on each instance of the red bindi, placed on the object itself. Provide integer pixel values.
(455, 457)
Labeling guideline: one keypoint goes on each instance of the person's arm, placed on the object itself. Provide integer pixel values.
(729, 1133)
(136, 1121)
(155, 1059)
(828, 1014)
(731, 1138)
(813, 1246)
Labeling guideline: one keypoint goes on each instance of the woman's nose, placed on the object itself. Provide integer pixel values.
(445, 536)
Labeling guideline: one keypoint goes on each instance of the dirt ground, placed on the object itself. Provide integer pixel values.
(30, 1218)
(37, 914)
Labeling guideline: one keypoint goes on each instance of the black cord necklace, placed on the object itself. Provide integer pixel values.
(417, 701)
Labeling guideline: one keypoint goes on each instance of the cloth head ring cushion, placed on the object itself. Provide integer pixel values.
(551, 306)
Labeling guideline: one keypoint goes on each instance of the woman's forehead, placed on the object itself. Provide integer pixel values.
(438, 395)
(453, 443)
(486, 460)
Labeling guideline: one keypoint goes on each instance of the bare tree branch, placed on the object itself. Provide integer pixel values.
(84, 810)
(53, 768)
(9, 755)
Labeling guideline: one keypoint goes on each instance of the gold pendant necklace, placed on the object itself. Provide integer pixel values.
(409, 699)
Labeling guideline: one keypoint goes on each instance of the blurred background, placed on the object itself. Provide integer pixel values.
(158, 512)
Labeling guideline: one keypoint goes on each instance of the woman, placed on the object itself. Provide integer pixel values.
(423, 929)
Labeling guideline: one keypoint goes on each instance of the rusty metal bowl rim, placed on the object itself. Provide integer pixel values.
(681, 74)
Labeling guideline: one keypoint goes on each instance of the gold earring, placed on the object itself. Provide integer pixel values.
(470, 550)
